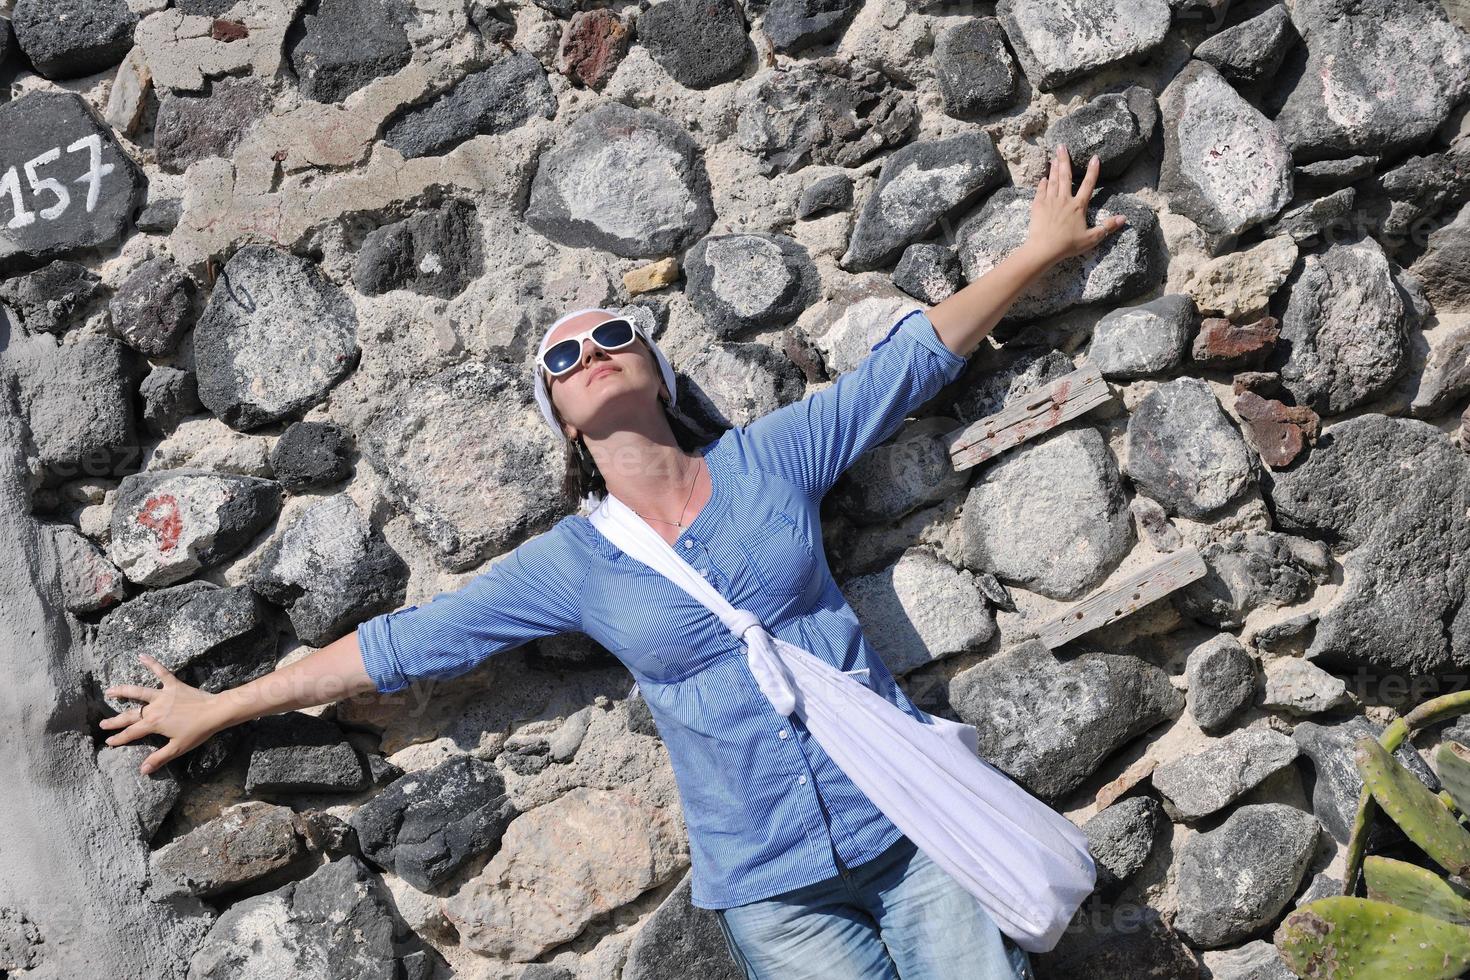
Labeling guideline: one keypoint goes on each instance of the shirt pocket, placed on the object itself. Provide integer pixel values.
(780, 556)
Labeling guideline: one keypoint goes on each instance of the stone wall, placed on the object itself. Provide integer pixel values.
(270, 276)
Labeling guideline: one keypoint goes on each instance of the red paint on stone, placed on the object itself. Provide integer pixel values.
(228, 30)
(162, 516)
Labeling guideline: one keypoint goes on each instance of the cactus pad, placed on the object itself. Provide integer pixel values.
(1452, 761)
(1342, 936)
(1420, 814)
(1416, 888)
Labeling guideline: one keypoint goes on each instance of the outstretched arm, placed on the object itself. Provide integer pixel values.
(1058, 230)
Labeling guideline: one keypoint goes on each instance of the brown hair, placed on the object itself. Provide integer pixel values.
(582, 476)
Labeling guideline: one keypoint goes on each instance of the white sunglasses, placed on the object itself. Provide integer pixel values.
(611, 335)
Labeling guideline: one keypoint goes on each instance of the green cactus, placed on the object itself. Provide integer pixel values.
(1419, 813)
(1453, 762)
(1418, 889)
(1342, 936)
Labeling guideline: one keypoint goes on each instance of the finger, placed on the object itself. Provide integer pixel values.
(1054, 178)
(133, 691)
(1041, 189)
(1089, 180)
(158, 669)
(122, 720)
(157, 759)
(1065, 174)
(131, 734)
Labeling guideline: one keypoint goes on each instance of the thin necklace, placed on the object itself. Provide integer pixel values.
(680, 522)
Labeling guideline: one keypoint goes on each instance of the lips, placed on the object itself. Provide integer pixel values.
(600, 370)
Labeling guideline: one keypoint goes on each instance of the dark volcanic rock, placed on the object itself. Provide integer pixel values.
(793, 25)
(311, 454)
(700, 43)
(341, 45)
(87, 206)
(1184, 452)
(976, 73)
(1251, 51)
(500, 98)
(53, 298)
(1049, 724)
(1114, 126)
(435, 253)
(300, 753)
(154, 307)
(745, 282)
(72, 38)
(1059, 40)
(196, 127)
(269, 301)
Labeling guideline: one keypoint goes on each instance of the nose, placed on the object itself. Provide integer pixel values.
(590, 350)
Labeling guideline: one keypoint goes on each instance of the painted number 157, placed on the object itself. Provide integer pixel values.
(10, 183)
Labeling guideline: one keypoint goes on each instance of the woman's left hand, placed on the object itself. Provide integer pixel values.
(1059, 228)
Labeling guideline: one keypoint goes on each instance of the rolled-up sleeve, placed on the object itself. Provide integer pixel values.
(811, 442)
(534, 591)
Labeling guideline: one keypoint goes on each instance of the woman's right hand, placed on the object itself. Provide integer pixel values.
(185, 715)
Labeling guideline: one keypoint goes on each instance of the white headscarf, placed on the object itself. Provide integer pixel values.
(543, 397)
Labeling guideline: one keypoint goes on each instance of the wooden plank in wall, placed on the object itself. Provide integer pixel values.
(1028, 417)
(1110, 604)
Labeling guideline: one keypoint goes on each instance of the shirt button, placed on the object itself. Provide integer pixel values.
(801, 779)
(783, 733)
(688, 543)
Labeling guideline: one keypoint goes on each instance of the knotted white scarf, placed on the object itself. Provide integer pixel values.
(1027, 864)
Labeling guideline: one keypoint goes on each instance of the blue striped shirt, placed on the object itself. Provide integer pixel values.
(752, 781)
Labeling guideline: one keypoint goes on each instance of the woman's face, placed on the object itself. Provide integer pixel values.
(602, 382)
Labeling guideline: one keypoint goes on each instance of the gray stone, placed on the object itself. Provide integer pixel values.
(1252, 50)
(295, 752)
(427, 824)
(1154, 526)
(433, 253)
(1445, 379)
(1059, 40)
(1225, 165)
(212, 638)
(1338, 783)
(72, 38)
(826, 111)
(1344, 328)
(1444, 266)
(929, 272)
(331, 570)
(467, 457)
(1400, 202)
(77, 400)
(1393, 491)
(730, 384)
(1256, 960)
(919, 185)
(339, 923)
(794, 25)
(919, 610)
(1121, 838)
(830, 193)
(1222, 681)
(1237, 878)
(1151, 338)
(1049, 516)
(1329, 175)
(205, 8)
(191, 128)
(161, 217)
(54, 298)
(268, 301)
(169, 524)
(1184, 452)
(149, 797)
(700, 43)
(250, 843)
(975, 72)
(1129, 940)
(34, 125)
(1114, 126)
(1306, 218)
(1300, 687)
(89, 581)
(1251, 569)
(169, 394)
(654, 203)
(1049, 725)
(341, 45)
(1381, 101)
(993, 382)
(678, 940)
(1128, 262)
(154, 307)
(505, 96)
(897, 477)
(311, 454)
(746, 281)
(1200, 784)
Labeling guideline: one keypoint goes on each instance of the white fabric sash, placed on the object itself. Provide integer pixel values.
(1026, 864)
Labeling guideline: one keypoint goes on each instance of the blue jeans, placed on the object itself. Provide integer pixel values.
(897, 917)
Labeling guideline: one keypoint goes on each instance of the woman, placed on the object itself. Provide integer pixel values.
(808, 878)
